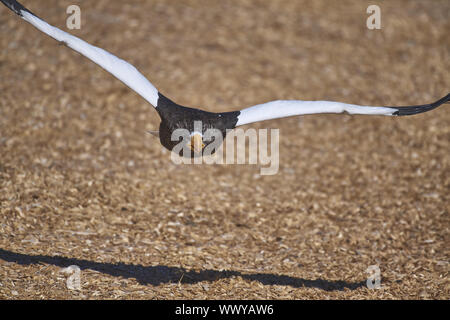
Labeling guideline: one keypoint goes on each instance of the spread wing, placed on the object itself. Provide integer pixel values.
(288, 108)
(121, 69)
(271, 110)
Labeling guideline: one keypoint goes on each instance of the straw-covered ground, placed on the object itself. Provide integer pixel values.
(81, 183)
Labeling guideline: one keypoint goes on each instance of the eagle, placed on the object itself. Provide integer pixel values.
(174, 116)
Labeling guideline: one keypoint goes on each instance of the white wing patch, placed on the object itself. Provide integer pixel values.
(121, 69)
(288, 108)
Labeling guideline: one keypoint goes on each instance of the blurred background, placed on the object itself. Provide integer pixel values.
(81, 183)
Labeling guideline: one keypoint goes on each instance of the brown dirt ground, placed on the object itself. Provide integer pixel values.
(82, 183)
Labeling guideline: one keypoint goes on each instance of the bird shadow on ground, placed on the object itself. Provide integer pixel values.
(156, 275)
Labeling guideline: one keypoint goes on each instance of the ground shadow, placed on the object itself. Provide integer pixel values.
(156, 275)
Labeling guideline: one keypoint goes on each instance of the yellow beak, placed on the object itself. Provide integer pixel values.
(197, 143)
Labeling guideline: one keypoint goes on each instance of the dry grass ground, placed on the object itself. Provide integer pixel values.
(82, 183)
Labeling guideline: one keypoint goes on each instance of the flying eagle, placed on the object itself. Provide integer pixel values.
(174, 116)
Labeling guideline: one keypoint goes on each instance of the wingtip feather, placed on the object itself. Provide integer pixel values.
(17, 7)
(411, 110)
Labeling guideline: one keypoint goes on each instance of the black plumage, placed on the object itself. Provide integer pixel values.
(174, 116)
